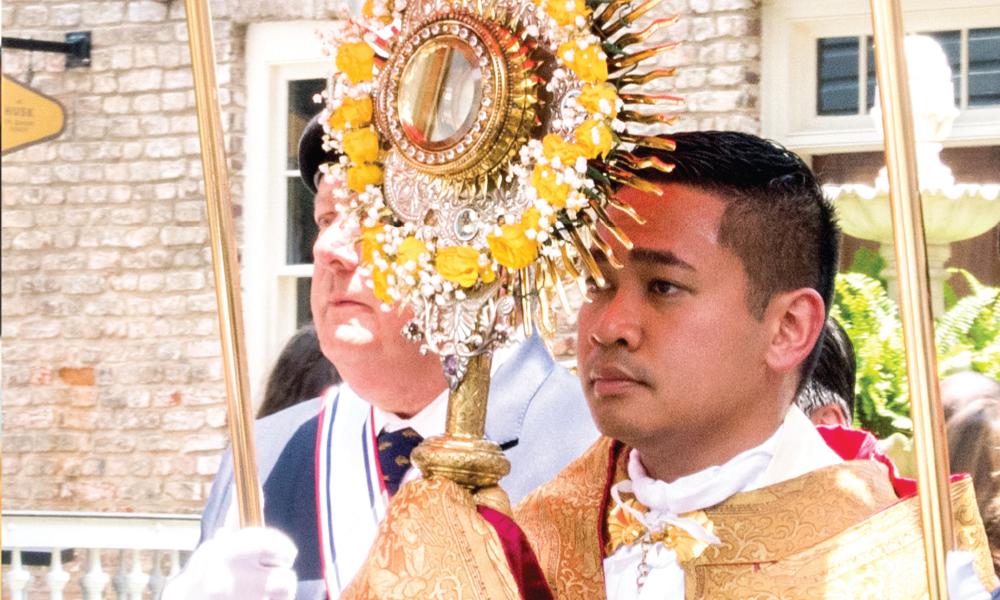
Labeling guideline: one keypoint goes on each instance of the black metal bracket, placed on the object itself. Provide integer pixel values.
(76, 47)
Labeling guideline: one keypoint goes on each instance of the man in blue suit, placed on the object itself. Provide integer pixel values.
(330, 465)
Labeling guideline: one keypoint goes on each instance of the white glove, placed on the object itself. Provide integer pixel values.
(963, 583)
(241, 564)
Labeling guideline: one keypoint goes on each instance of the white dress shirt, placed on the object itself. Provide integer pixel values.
(432, 419)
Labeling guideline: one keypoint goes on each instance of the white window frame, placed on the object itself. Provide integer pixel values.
(790, 29)
(277, 52)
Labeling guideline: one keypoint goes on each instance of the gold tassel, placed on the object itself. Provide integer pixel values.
(525, 301)
(545, 323)
(657, 99)
(605, 219)
(601, 244)
(647, 118)
(644, 78)
(628, 178)
(649, 141)
(560, 290)
(588, 259)
(637, 163)
(609, 12)
(629, 60)
(628, 18)
(618, 204)
(634, 38)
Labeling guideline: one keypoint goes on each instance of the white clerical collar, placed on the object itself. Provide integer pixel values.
(799, 450)
(794, 449)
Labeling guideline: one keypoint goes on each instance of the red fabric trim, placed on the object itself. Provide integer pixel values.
(520, 557)
(858, 444)
(378, 463)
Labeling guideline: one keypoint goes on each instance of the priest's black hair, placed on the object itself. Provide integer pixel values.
(776, 219)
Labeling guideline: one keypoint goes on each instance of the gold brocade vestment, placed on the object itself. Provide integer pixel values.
(837, 532)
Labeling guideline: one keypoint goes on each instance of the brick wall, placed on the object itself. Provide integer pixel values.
(112, 391)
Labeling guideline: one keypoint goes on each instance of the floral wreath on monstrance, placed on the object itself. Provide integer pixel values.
(480, 142)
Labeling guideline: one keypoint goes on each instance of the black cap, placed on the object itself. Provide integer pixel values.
(311, 153)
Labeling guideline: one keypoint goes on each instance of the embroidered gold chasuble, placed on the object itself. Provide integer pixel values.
(837, 532)
(433, 544)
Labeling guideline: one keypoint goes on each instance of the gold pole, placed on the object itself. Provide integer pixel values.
(462, 454)
(914, 294)
(225, 261)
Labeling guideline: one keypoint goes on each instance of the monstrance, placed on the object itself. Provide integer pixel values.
(480, 147)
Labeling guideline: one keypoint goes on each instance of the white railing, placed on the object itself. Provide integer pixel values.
(136, 539)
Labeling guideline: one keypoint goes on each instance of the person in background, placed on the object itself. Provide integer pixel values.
(301, 373)
(972, 419)
(827, 397)
(329, 466)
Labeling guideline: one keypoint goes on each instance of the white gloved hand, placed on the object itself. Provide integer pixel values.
(963, 583)
(241, 564)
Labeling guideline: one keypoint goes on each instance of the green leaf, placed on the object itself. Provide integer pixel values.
(967, 336)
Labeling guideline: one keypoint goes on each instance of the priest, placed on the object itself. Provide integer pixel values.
(709, 482)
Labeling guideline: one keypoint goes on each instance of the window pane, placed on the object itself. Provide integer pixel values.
(872, 75)
(984, 66)
(301, 108)
(301, 228)
(303, 311)
(837, 69)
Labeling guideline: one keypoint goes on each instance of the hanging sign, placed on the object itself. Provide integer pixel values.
(29, 116)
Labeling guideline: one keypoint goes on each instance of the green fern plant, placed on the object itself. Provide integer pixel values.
(967, 336)
(871, 320)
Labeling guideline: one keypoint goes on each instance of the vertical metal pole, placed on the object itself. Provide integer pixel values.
(914, 293)
(225, 261)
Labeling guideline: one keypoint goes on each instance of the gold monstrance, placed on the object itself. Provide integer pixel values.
(480, 142)
(502, 127)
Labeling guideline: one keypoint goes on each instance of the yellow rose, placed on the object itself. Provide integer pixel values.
(554, 146)
(530, 217)
(595, 138)
(361, 145)
(487, 274)
(352, 112)
(380, 285)
(599, 98)
(512, 248)
(370, 244)
(356, 60)
(548, 187)
(586, 63)
(565, 12)
(361, 176)
(458, 264)
(410, 249)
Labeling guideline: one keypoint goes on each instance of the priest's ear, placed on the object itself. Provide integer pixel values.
(797, 319)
